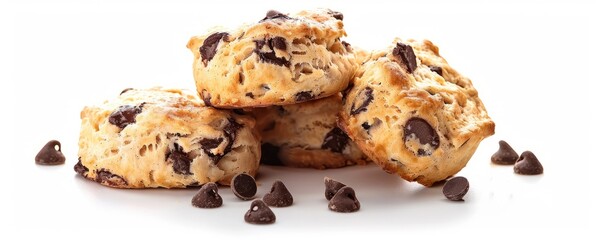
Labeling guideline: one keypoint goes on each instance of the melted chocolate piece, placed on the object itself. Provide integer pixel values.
(80, 168)
(406, 55)
(336, 140)
(273, 14)
(304, 96)
(367, 94)
(270, 57)
(125, 115)
(436, 69)
(104, 176)
(125, 90)
(336, 15)
(181, 163)
(210, 44)
(420, 129)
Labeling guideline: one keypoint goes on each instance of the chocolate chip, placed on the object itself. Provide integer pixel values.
(335, 140)
(249, 95)
(278, 43)
(436, 69)
(239, 111)
(366, 125)
(125, 115)
(270, 155)
(259, 213)
(50, 154)
(528, 164)
(273, 14)
(505, 154)
(331, 187)
(125, 90)
(406, 55)
(80, 168)
(420, 129)
(336, 15)
(345, 44)
(181, 163)
(344, 201)
(210, 44)
(304, 96)
(456, 188)
(279, 195)
(366, 96)
(243, 186)
(207, 197)
(206, 97)
(230, 130)
(104, 176)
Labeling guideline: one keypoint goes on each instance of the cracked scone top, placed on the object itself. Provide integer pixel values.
(306, 135)
(164, 138)
(280, 60)
(414, 115)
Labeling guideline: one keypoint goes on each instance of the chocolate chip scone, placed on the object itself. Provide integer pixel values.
(164, 138)
(413, 114)
(306, 135)
(282, 59)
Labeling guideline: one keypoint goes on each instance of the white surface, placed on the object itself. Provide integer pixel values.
(531, 63)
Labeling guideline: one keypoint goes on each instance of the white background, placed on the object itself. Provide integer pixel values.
(533, 64)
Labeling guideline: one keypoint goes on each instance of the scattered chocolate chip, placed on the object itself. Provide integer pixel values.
(50, 154)
(336, 15)
(278, 43)
(104, 176)
(456, 188)
(331, 187)
(420, 129)
(249, 95)
(125, 115)
(273, 14)
(243, 186)
(259, 213)
(230, 130)
(344, 201)
(207, 197)
(270, 57)
(366, 125)
(206, 97)
(304, 96)
(181, 163)
(528, 164)
(505, 154)
(80, 168)
(125, 90)
(279, 195)
(335, 140)
(436, 69)
(270, 155)
(366, 96)
(406, 55)
(210, 44)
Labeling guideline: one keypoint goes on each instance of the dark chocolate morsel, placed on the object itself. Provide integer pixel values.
(104, 176)
(279, 195)
(336, 15)
(273, 14)
(210, 44)
(304, 96)
(80, 168)
(278, 43)
(335, 140)
(331, 187)
(270, 57)
(366, 125)
(436, 69)
(270, 155)
(344, 201)
(366, 97)
(125, 115)
(406, 55)
(243, 186)
(456, 188)
(528, 164)
(206, 96)
(181, 163)
(505, 154)
(259, 213)
(207, 197)
(420, 129)
(50, 154)
(249, 95)
(125, 90)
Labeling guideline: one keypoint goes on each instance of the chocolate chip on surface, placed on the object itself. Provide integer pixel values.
(456, 188)
(436, 69)
(210, 44)
(270, 155)
(181, 163)
(406, 56)
(331, 187)
(279, 195)
(50, 154)
(336, 15)
(125, 115)
(278, 43)
(418, 128)
(80, 168)
(273, 14)
(243, 186)
(106, 177)
(270, 57)
(505, 154)
(207, 197)
(259, 213)
(336, 140)
(362, 101)
(304, 96)
(528, 164)
(344, 201)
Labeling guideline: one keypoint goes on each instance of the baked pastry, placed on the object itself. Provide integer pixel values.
(282, 59)
(306, 135)
(164, 138)
(413, 114)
